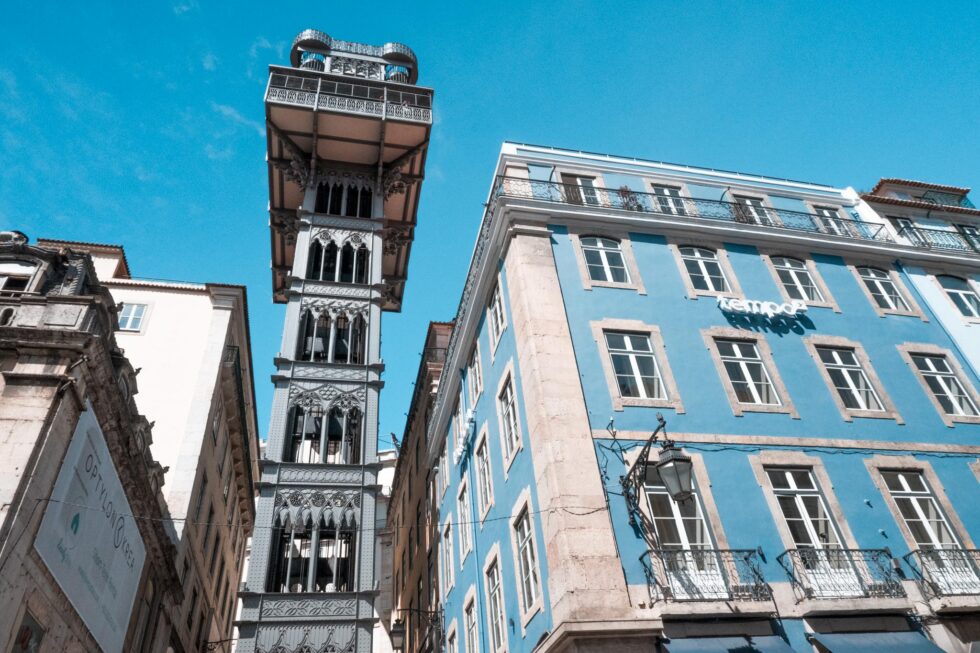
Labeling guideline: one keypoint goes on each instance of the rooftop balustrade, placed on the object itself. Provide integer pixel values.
(946, 572)
(625, 199)
(705, 575)
(843, 573)
(322, 93)
(941, 198)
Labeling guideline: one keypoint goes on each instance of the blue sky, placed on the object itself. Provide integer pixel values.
(141, 123)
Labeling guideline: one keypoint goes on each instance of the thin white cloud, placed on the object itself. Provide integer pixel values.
(182, 8)
(209, 61)
(216, 154)
(232, 114)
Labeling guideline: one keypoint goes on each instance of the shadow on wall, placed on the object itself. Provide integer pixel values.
(779, 325)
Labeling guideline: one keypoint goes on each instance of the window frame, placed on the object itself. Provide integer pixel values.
(471, 622)
(142, 318)
(828, 300)
(508, 449)
(496, 319)
(888, 409)
(447, 557)
(474, 375)
(913, 307)
(683, 197)
(659, 352)
(484, 481)
(724, 264)
(464, 520)
(523, 508)
(634, 281)
(907, 350)
(493, 560)
(711, 337)
(970, 282)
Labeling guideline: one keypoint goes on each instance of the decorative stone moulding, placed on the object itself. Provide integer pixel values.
(299, 507)
(322, 638)
(327, 397)
(300, 607)
(321, 475)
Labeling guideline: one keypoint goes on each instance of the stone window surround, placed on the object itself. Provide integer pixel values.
(766, 255)
(575, 235)
(496, 338)
(734, 289)
(453, 632)
(448, 578)
(711, 336)
(474, 398)
(906, 349)
(470, 599)
(801, 460)
(879, 462)
(889, 411)
(464, 484)
(483, 439)
(703, 485)
(934, 275)
(508, 375)
(896, 279)
(524, 501)
(494, 556)
(975, 466)
(685, 192)
(673, 399)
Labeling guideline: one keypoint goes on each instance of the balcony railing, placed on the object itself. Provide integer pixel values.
(939, 239)
(947, 572)
(843, 573)
(947, 199)
(705, 575)
(361, 99)
(625, 199)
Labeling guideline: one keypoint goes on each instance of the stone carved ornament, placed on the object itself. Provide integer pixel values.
(309, 607)
(307, 475)
(340, 236)
(300, 507)
(358, 180)
(395, 238)
(336, 307)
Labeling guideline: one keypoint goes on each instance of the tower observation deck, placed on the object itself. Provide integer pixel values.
(347, 136)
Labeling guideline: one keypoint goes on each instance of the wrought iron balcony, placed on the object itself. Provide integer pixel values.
(947, 199)
(705, 575)
(625, 199)
(325, 94)
(947, 572)
(843, 573)
(939, 239)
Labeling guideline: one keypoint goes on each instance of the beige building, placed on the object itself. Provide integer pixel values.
(414, 531)
(190, 343)
(85, 561)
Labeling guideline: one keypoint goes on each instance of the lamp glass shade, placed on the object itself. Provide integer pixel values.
(675, 469)
(397, 635)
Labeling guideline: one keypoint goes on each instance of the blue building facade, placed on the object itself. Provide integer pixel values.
(831, 419)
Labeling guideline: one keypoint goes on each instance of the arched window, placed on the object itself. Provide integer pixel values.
(879, 283)
(344, 199)
(604, 258)
(703, 269)
(318, 555)
(314, 263)
(304, 441)
(962, 294)
(347, 264)
(796, 279)
(314, 337)
(336, 340)
(343, 438)
(6, 316)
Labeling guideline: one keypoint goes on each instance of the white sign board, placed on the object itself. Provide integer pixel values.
(88, 538)
(755, 307)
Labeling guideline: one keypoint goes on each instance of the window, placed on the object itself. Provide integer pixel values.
(215, 549)
(343, 199)
(451, 646)
(703, 269)
(796, 280)
(334, 438)
(526, 560)
(202, 490)
(604, 259)
(131, 317)
(971, 233)
(815, 534)
(474, 376)
(495, 314)
(207, 528)
(945, 385)
(448, 568)
(883, 290)
(580, 190)
(15, 277)
(849, 378)
(669, 200)
(635, 367)
(507, 411)
(469, 621)
(961, 294)
(752, 210)
(495, 607)
(829, 221)
(331, 339)
(341, 264)
(484, 482)
(313, 557)
(191, 610)
(747, 374)
(464, 517)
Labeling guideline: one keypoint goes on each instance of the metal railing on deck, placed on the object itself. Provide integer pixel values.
(947, 572)
(939, 239)
(625, 199)
(843, 573)
(365, 99)
(705, 575)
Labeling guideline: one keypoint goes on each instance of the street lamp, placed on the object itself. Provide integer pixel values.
(397, 635)
(671, 465)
